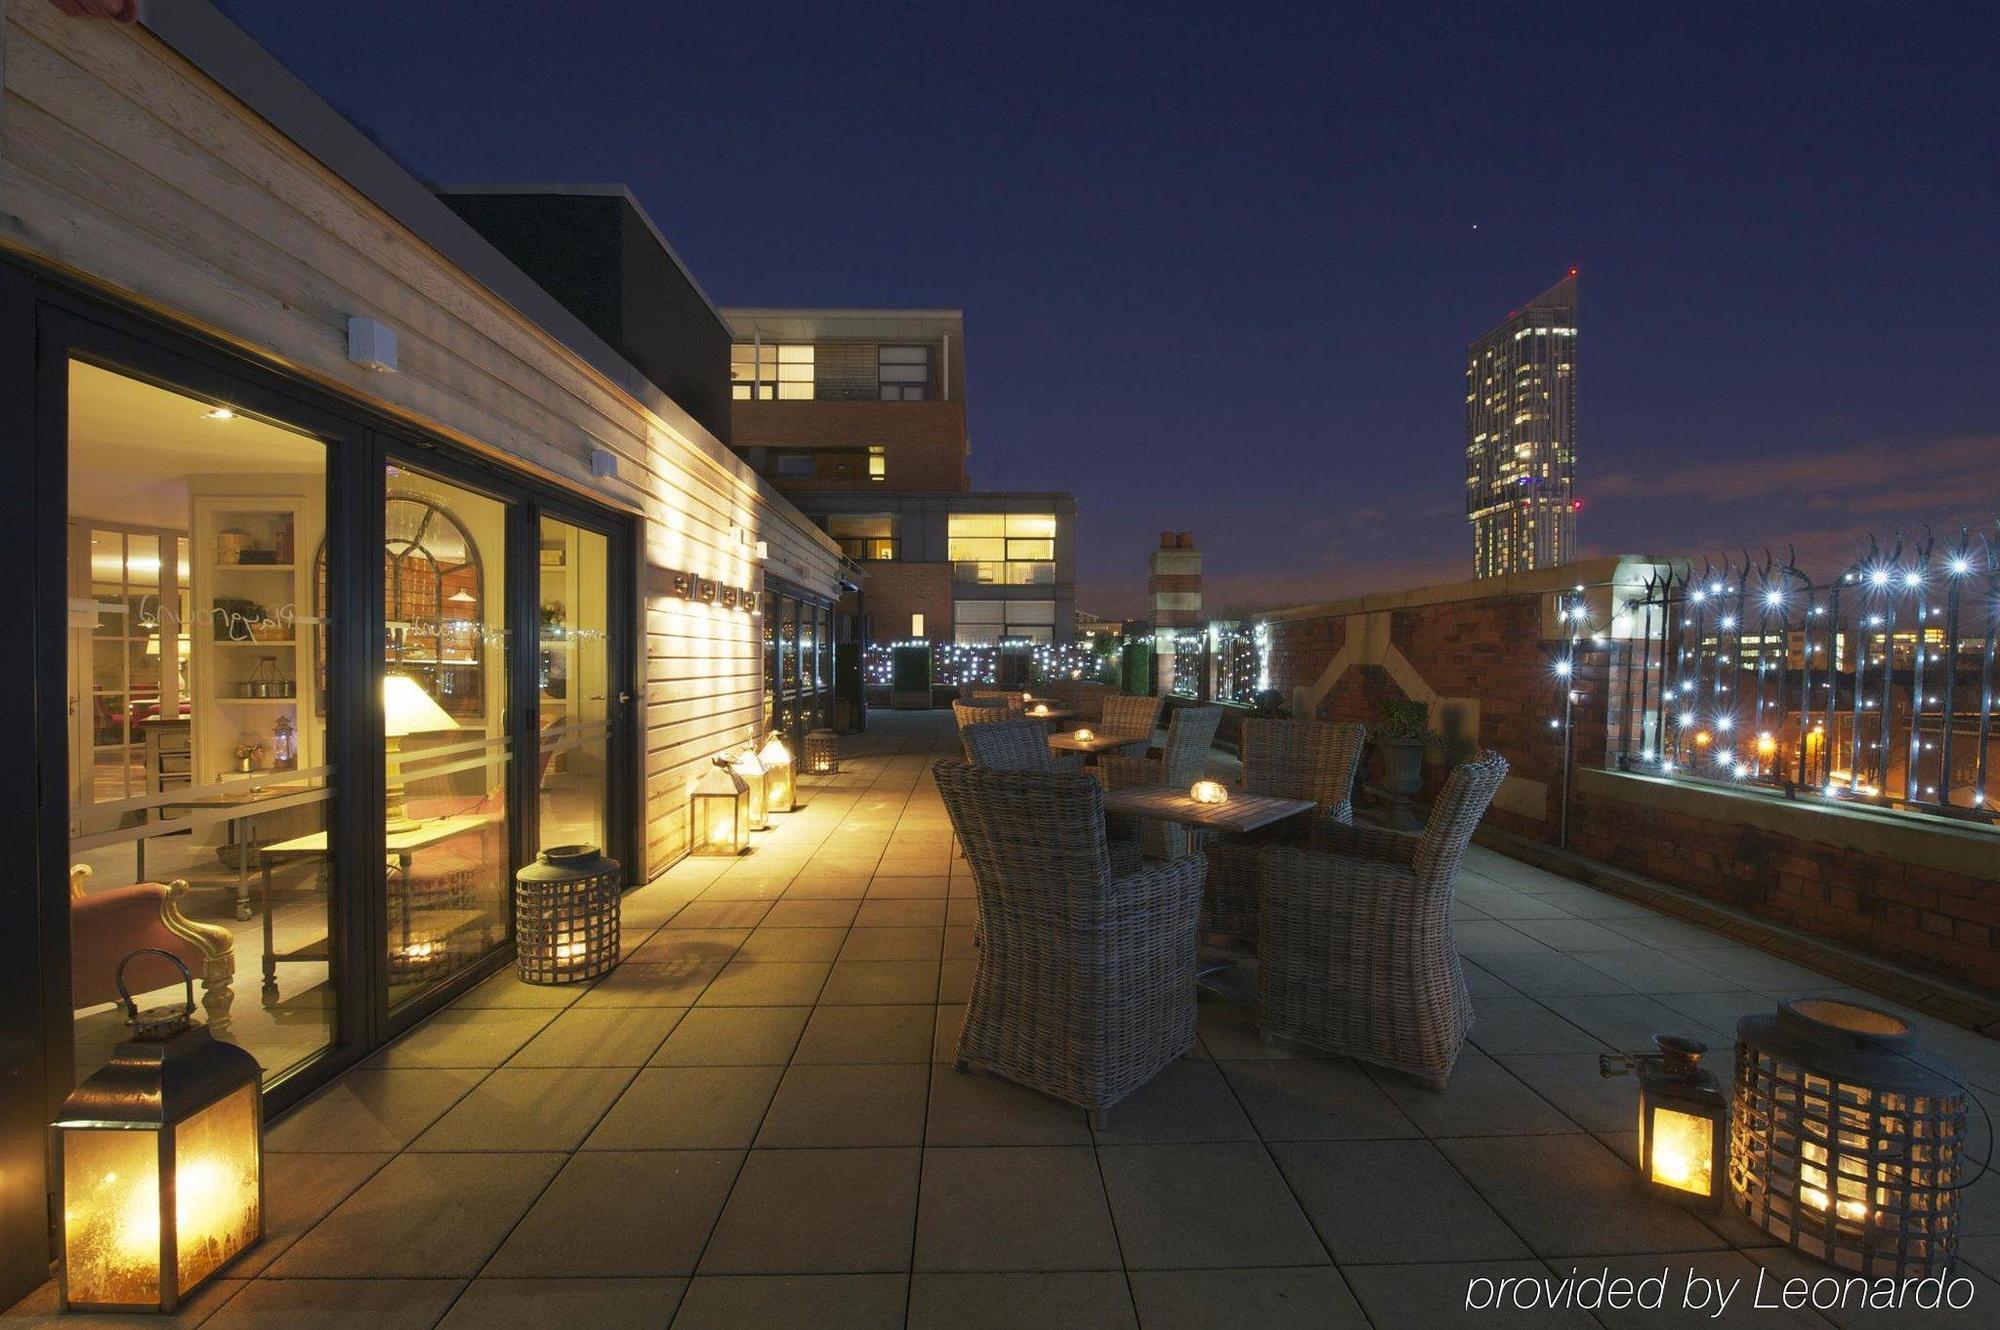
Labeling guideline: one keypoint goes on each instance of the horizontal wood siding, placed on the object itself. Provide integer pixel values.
(123, 164)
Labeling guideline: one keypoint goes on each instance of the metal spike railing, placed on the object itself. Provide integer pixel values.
(1874, 685)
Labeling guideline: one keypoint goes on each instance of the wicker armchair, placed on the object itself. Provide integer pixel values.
(1085, 983)
(1083, 696)
(1294, 759)
(1013, 699)
(1023, 745)
(1355, 947)
(1127, 713)
(967, 715)
(1013, 745)
(1190, 731)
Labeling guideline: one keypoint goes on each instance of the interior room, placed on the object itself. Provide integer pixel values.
(200, 692)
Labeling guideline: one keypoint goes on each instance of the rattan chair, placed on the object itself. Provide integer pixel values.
(1190, 732)
(1085, 983)
(1011, 698)
(1128, 713)
(1293, 759)
(1355, 948)
(1084, 697)
(1013, 745)
(1023, 745)
(968, 714)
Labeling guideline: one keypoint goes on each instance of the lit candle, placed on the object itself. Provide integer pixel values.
(1084, 736)
(1208, 792)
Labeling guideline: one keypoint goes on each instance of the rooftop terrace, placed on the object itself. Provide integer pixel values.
(755, 1121)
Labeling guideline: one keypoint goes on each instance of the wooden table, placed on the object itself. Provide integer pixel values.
(1216, 973)
(1053, 714)
(1065, 741)
(402, 844)
(241, 801)
(1242, 813)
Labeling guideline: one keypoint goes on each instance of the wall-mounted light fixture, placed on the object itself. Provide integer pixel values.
(371, 344)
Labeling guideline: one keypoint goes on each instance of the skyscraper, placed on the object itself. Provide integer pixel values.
(1520, 437)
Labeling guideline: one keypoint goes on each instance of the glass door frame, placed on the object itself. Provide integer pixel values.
(75, 329)
(624, 806)
(46, 320)
(44, 325)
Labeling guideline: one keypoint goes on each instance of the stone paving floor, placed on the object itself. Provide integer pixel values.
(755, 1122)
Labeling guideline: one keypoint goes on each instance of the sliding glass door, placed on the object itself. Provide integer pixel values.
(253, 596)
(573, 684)
(448, 754)
(199, 701)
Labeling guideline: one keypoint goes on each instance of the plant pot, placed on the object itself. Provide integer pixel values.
(1402, 779)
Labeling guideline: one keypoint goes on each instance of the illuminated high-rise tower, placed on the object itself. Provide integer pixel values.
(1520, 437)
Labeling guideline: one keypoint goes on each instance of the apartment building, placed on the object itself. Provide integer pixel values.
(858, 417)
(1520, 437)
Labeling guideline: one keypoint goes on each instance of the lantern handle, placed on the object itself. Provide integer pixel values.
(125, 994)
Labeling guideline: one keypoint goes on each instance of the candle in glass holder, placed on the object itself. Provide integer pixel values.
(1208, 792)
(1084, 736)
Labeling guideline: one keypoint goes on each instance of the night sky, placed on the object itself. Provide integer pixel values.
(1218, 271)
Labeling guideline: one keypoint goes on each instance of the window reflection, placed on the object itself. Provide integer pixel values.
(445, 728)
(198, 776)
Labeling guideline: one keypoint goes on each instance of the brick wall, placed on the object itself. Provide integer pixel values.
(925, 442)
(894, 591)
(1901, 890)
(1485, 647)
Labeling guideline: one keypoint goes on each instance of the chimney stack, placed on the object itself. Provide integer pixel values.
(1174, 582)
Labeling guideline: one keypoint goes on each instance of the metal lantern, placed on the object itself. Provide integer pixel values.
(1683, 1120)
(757, 780)
(719, 812)
(822, 753)
(1848, 1143)
(160, 1158)
(566, 915)
(781, 793)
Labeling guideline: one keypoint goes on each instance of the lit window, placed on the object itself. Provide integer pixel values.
(772, 370)
(878, 464)
(1010, 549)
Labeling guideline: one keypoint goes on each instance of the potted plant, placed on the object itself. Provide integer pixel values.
(1402, 734)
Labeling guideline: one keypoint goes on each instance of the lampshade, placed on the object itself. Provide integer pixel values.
(408, 708)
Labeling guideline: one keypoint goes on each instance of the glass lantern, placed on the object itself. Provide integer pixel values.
(757, 780)
(781, 794)
(159, 1156)
(1683, 1121)
(719, 812)
(1208, 792)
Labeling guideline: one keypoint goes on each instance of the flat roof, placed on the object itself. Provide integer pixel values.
(594, 190)
(808, 324)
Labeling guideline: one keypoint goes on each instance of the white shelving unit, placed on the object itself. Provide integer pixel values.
(251, 620)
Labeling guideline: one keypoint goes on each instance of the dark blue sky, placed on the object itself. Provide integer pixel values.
(1218, 268)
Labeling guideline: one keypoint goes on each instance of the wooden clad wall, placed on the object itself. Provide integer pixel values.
(121, 162)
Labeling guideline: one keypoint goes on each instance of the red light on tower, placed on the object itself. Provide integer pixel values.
(1572, 272)
(1575, 505)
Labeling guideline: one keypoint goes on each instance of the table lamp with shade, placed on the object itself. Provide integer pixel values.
(407, 708)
